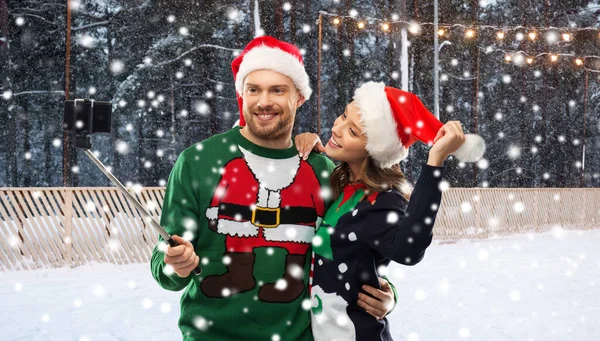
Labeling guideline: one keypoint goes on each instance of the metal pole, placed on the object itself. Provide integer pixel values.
(475, 125)
(436, 61)
(320, 48)
(585, 104)
(66, 174)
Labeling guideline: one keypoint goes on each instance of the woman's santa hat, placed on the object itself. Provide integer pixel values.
(395, 119)
(268, 53)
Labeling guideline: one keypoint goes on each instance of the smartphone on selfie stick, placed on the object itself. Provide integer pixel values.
(85, 117)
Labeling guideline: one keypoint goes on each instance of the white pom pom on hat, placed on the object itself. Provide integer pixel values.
(395, 119)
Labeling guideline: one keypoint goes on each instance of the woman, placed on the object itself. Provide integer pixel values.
(372, 221)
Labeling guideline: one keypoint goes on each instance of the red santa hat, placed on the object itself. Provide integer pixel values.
(395, 119)
(268, 53)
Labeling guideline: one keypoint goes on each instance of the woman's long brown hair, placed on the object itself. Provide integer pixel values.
(376, 179)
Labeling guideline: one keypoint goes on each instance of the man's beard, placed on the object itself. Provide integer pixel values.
(279, 131)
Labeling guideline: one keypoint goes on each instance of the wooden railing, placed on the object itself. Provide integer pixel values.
(53, 227)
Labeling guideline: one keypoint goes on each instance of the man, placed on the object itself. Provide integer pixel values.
(247, 207)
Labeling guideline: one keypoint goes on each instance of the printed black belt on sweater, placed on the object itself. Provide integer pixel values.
(270, 217)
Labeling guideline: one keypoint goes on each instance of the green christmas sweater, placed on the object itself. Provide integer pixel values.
(251, 214)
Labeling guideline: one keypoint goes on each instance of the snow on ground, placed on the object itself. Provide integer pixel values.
(526, 287)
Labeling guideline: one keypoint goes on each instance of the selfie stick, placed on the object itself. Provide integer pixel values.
(85, 144)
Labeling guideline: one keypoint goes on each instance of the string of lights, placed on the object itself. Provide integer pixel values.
(414, 27)
(553, 36)
(521, 57)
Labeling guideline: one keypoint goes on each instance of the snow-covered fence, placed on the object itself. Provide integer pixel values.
(495, 212)
(51, 227)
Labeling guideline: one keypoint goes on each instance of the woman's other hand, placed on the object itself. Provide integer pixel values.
(307, 142)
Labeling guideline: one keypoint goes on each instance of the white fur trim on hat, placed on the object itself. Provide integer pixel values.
(383, 143)
(471, 150)
(269, 58)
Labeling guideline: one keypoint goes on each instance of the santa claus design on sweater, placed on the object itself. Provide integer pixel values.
(264, 202)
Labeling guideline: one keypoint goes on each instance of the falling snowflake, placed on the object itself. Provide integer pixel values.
(444, 285)
(514, 152)
(352, 236)
(117, 67)
(7, 95)
(306, 305)
(444, 185)
(137, 188)
(325, 193)
(519, 207)
(200, 323)
(188, 235)
(86, 41)
(466, 207)
(114, 245)
(420, 295)
(515, 296)
(483, 164)
(147, 303)
(233, 14)
(558, 232)
(98, 290)
(295, 271)
(165, 308)
(317, 241)
(281, 284)
(483, 254)
(202, 108)
(392, 217)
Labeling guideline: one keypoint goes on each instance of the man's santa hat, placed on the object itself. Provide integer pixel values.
(395, 119)
(268, 53)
